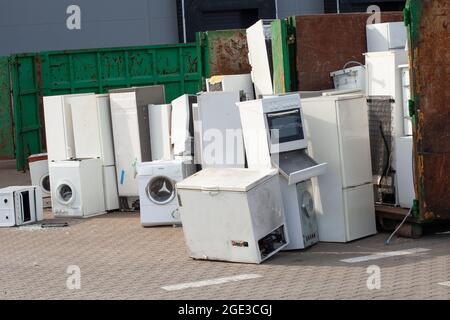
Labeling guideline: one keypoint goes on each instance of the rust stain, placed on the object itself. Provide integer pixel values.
(228, 52)
(326, 42)
(431, 76)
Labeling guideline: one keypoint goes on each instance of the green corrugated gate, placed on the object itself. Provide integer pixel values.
(27, 102)
(6, 124)
(177, 67)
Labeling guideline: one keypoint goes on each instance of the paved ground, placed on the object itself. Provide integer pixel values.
(119, 259)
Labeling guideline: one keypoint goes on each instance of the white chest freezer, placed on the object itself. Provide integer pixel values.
(232, 214)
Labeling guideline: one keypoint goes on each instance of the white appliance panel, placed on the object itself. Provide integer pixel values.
(59, 130)
(126, 141)
(360, 219)
(259, 58)
(221, 131)
(405, 181)
(110, 188)
(354, 140)
(160, 118)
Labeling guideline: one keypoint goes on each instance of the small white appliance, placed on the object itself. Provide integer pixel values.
(338, 133)
(20, 206)
(232, 214)
(40, 177)
(241, 83)
(157, 192)
(259, 37)
(160, 118)
(131, 132)
(386, 36)
(91, 117)
(182, 125)
(220, 130)
(77, 188)
(350, 78)
(59, 127)
(274, 136)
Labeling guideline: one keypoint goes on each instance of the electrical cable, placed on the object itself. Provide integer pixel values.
(388, 163)
(388, 241)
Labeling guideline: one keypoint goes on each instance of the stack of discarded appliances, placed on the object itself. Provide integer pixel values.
(245, 177)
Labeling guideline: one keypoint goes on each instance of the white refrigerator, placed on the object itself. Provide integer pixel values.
(92, 129)
(338, 133)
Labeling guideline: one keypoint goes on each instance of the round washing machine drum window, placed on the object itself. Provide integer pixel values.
(45, 183)
(160, 190)
(65, 193)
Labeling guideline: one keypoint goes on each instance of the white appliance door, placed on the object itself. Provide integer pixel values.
(110, 187)
(106, 135)
(59, 131)
(259, 58)
(397, 35)
(359, 212)
(159, 116)
(86, 129)
(354, 142)
(405, 184)
(180, 136)
(222, 141)
(127, 146)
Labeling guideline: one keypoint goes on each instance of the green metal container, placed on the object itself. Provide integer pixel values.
(34, 76)
(224, 52)
(6, 123)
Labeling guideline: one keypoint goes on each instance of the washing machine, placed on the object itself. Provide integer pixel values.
(77, 188)
(157, 193)
(40, 177)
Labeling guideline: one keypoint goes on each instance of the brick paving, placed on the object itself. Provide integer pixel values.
(119, 259)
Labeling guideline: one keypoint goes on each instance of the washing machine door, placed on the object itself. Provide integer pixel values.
(45, 183)
(160, 190)
(65, 193)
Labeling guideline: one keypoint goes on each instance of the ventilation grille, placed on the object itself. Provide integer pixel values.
(380, 124)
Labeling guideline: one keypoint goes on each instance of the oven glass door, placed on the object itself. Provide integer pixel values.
(285, 126)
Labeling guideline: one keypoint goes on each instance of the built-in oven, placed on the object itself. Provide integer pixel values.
(285, 130)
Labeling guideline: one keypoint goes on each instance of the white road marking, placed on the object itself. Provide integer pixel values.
(210, 282)
(382, 255)
(447, 284)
